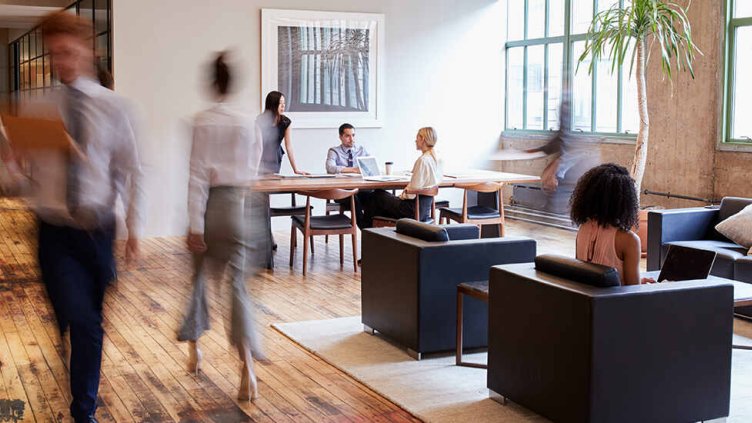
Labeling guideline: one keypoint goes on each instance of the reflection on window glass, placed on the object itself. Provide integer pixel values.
(742, 9)
(582, 88)
(606, 4)
(582, 15)
(516, 20)
(100, 16)
(629, 112)
(86, 10)
(741, 127)
(555, 55)
(555, 18)
(535, 67)
(536, 19)
(606, 88)
(515, 72)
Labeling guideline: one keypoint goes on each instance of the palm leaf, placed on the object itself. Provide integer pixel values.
(614, 34)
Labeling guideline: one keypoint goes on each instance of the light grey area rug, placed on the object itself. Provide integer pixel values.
(435, 390)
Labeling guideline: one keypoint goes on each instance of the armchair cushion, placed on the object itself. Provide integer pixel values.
(462, 232)
(570, 268)
(738, 227)
(422, 231)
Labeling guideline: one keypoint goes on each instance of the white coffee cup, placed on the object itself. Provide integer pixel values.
(388, 168)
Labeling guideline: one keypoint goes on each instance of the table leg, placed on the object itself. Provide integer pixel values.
(458, 356)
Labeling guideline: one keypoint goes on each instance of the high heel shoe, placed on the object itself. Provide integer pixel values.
(248, 386)
(194, 358)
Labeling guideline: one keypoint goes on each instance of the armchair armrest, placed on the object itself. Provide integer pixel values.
(677, 225)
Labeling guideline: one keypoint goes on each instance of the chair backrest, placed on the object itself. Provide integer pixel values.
(480, 187)
(330, 194)
(425, 192)
(731, 206)
(577, 270)
(422, 231)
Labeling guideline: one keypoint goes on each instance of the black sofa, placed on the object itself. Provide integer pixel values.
(409, 283)
(578, 353)
(695, 228)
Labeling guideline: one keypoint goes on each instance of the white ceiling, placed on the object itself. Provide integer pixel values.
(22, 17)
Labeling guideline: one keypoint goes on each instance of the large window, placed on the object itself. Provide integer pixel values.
(545, 40)
(739, 63)
(30, 66)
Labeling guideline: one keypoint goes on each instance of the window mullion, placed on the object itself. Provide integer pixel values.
(730, 90)
(524, 88)
(545, 65)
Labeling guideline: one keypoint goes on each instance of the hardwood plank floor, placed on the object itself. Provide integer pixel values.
(143, 372)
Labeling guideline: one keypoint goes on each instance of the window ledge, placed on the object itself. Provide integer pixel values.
(735, 146)
(619, 139)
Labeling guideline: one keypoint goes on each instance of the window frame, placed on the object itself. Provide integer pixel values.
(569, 66)
(729, 92)
(15, 63)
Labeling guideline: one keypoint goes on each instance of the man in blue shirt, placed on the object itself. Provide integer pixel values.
(344, 157)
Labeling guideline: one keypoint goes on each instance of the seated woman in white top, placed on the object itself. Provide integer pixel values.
(426, 174)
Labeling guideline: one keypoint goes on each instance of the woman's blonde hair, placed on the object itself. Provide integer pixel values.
(430, 137)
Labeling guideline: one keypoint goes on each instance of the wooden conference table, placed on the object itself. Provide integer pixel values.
(285, 184)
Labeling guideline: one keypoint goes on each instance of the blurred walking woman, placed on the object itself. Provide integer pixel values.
(224, 158)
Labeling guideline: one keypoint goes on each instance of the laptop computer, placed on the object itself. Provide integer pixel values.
(686, 264)
(369, 169)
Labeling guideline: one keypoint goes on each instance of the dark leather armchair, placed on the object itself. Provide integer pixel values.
(574, 352)
(409, 282)
(695, 228)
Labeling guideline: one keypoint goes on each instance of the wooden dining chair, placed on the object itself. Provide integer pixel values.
(479, 215)
(382, 221)
(335, 224)
(292, 210)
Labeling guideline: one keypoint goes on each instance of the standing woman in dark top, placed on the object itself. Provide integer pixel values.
(272, 126)
(275, 127)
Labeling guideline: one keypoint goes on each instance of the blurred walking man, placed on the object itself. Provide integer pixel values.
(73, 195)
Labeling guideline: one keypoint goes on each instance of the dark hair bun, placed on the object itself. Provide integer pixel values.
(221, 77)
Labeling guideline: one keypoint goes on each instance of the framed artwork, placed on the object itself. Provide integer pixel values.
(329, 66)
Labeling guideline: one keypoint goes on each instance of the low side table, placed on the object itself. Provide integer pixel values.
(477, 290)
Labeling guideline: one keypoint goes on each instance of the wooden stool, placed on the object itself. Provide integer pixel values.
(477, 290)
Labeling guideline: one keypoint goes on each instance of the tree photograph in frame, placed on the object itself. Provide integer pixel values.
(327, 64)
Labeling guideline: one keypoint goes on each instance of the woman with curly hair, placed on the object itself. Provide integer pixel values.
(605, 205)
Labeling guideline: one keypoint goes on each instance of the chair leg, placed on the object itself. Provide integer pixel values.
(501, 229)
(312, 250)
(341, 252)
(355, 250)
(326, 237)
(293, 241)
(305, 251)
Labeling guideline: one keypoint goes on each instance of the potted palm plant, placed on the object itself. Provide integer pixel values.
(628, 33)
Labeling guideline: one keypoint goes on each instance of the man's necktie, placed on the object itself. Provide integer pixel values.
(75, 129)
(349, 158)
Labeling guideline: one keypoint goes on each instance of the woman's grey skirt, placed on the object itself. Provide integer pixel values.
(227, 231)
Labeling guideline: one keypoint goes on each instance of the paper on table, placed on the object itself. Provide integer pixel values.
(516, 155)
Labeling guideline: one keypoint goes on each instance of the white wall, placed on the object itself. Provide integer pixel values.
(443, 68)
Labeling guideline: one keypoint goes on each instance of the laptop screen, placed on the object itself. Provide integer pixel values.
(686, 264)
(368, 166)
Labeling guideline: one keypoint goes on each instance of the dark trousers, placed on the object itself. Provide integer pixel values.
(383, 203)
(77, 266)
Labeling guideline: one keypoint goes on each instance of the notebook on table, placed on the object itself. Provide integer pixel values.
(686, 264)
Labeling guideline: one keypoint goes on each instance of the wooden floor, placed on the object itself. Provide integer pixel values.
(143, 372)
